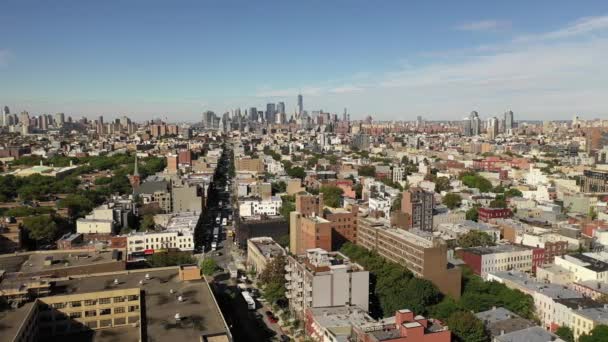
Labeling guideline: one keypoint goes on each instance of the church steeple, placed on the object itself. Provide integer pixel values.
(134, 179)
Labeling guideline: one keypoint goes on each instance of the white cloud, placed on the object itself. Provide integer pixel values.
(484, 25)
(544, 76)
(580, 27)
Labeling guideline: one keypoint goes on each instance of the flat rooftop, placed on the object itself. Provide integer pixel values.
(199, 313)
(36, 261)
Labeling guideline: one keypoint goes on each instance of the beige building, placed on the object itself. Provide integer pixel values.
(92, 307)
(424, 255)
(325, 279)
(94, 226)
(260, 251)
(249, 164)
(584, 320)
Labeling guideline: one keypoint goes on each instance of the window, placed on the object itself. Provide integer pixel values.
(119, 310)
(90, 302)
(104, 312)
(90, 313)
(133, 308)
(119, 299)
(105, 300)
(133, 297)
(75, 314)
(58, 305)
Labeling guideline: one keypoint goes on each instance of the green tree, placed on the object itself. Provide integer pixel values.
(41, 228)
(472, 214)
(473, 180)
(475, 238)
(367, 171)
(452, 200)
(513, 193)
(272, 279)
(498, 203)
(208, 266)
(286, 208)
(332, 195)
(296, 172)
(442, 184)
(466, 327)
(170, 259)
(598, 334)
(147, 222)
(565, 334)
(278, 187)
(358, 190)
(396, 206)
(77, 205)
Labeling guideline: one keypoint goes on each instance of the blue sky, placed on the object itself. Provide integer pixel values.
(389, 59)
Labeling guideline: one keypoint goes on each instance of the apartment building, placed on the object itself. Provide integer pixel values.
(418, 204)
(585, 320)
(594, 181)
(584, 267)
(144, 243)
(484, 260)
(248, 164)
(261, 251)
(308, 205)
(319, 278)
(114, 302)
(257, 207)
(405, 326)
(308, 232)
(487, 214)
(343, 223)
(423, 254)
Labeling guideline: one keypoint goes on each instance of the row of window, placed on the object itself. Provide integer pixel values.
(91, 302)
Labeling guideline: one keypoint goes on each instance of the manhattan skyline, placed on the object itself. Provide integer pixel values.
(395, 61)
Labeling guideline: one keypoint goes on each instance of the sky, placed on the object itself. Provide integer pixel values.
(393, 60)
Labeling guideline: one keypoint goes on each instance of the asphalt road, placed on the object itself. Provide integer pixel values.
(245, 324)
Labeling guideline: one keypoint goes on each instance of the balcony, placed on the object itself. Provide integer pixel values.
(287, 268)
(288, 277)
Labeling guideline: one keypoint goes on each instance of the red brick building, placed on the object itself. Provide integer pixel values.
(487, 214)
(407, 328)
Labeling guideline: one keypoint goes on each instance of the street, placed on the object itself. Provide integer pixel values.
(245, 324)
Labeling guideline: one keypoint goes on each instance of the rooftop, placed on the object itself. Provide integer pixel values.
(532, 334)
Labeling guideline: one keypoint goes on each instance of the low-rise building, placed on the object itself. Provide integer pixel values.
(260, 251)
(484, 260)
(404, 326)
(257, 207)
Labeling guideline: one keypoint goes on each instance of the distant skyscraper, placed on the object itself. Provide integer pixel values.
(492, 127)
(300, 104)
(466, 127)
(508, 120)
(253, 114)
(59, 119)
(5, 113)
(281, 107)
(475, 123)
(271, 111)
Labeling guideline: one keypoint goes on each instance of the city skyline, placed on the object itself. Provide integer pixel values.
(394, 63)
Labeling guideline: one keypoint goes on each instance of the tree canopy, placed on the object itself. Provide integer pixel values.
(367, 171)
(475, 238)
(41, 228)
(452, 200)
(473, 180)
(598, 334)
(272, 279)
(332, 195)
